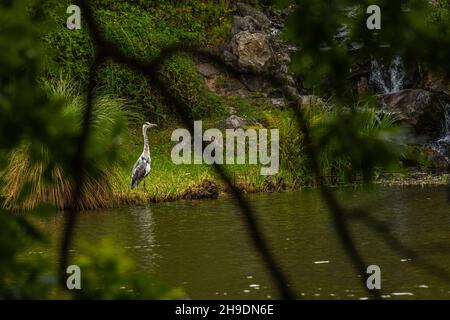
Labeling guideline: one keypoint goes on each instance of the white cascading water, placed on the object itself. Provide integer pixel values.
(442, 145)
(387, 80)
(391, 80)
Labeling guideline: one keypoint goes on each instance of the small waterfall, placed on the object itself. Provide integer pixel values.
(387, 80)
(442, 145)
(392, 79)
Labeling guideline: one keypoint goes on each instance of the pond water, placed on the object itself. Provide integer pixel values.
(203, 246)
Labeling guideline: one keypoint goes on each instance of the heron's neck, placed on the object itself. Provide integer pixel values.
(146, 146)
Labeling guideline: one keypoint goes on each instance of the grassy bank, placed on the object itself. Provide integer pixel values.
(168, 182)
(29, 182)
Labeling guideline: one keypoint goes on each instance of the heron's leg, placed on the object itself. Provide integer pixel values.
(145, 188)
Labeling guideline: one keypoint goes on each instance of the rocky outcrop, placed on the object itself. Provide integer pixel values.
(437, 160)
(220, 82)
(246, 23)
(246, 10)
(252, 50)
(254, 47)
(420, 109)
(250, 47)
(436, 83)
(207, 70)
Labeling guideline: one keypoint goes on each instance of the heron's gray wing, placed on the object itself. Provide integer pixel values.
(138, 172)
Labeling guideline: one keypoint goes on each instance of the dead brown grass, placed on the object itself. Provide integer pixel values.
(25, 187)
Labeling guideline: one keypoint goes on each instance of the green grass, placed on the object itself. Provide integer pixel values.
(39, 173)
(29, 183)
(166, 180)
(169, 182)
(109, 185)
(141, 29)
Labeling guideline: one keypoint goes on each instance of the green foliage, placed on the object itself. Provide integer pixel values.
(293, 160)
(21, 278)
(141, 30)
(416, 30)
(48, 125)
(440, 12)
(27, 183)
(357, 141)
(354, 142)
(181, 76)
(25, 114)
(25, 110)
(108, 273)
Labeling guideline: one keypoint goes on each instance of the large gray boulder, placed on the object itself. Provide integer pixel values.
(246, 23)
(252, 50)
(247, 10)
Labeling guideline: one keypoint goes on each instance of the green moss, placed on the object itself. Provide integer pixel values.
(180, 72)
(141, 29)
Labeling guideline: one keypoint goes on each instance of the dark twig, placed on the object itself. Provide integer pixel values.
(386, 233)
(106, 49)
(337, 212)
(78, 169)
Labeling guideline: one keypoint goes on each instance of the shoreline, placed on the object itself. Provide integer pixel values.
(216, 190)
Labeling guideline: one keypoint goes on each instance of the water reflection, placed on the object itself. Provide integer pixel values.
(203, 246)
(144, 244)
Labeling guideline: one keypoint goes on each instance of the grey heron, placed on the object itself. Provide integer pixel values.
(143, 165)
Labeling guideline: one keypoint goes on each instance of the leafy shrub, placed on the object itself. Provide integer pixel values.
(336, 131)
(108, 273)
(356, 141)
(141, 30)
(180, 74)
(293, 159)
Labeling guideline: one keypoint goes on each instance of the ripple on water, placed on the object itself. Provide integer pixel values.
(322, 262)
(402, 294)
